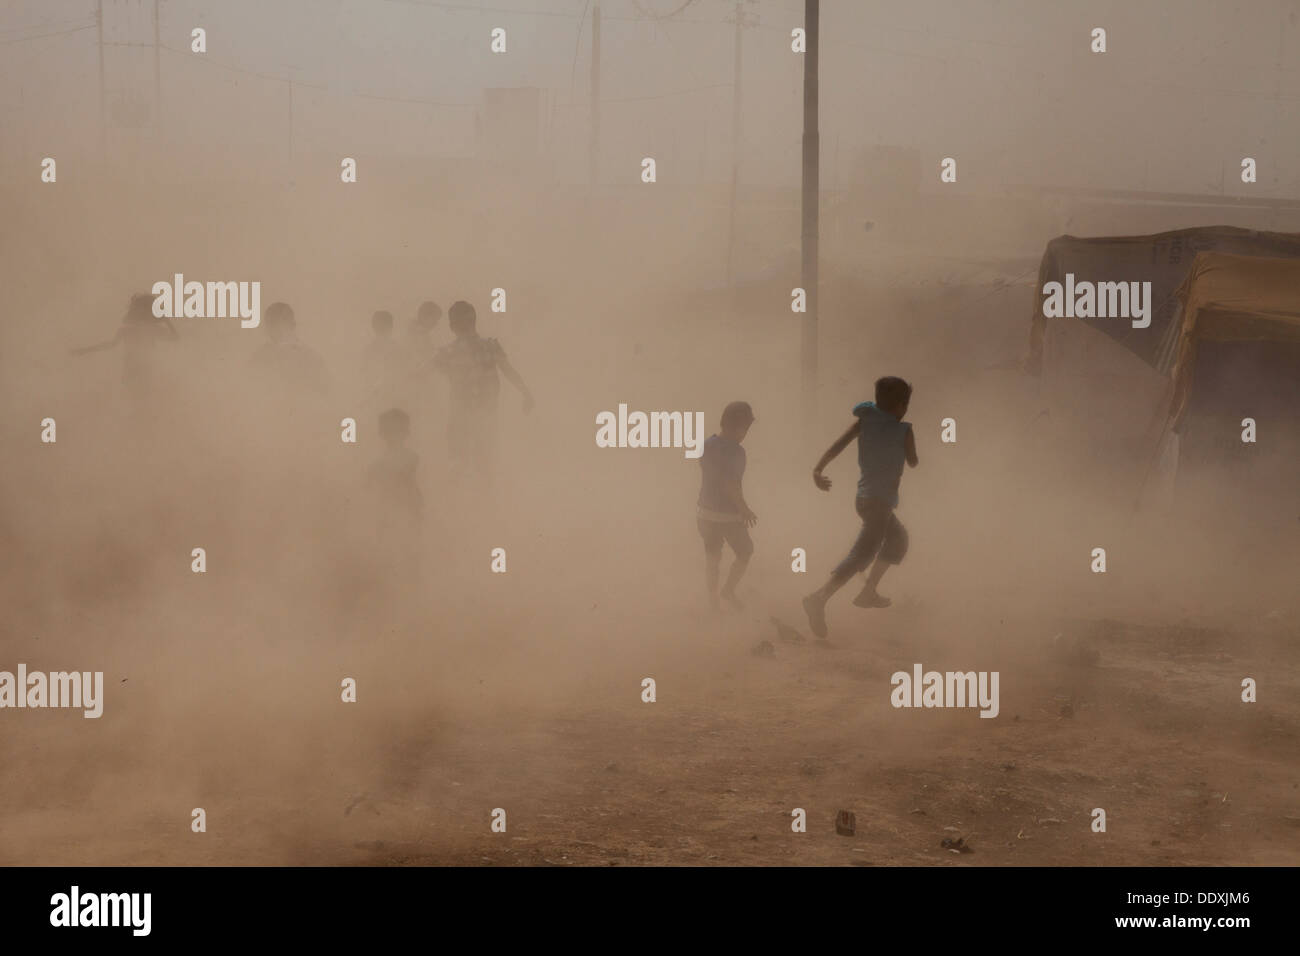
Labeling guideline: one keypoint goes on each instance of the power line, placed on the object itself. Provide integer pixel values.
(49, 23)
(655, 96)
(209, 61)
(477, 9)
(663, 16)
(409, 99)
(41, 36)
(663, 96)
(465, 8)
(314, 86)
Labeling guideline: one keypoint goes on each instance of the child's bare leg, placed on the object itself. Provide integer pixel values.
(733, 578)
(866, 547)
(713, 539)
(814, 604)
(892, 550)
(738, 538)
(712, 566)
(868, 596)
(833, 584)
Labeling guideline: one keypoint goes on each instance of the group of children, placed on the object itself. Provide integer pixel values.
(393, 373)
(474, 365)
(885, 443)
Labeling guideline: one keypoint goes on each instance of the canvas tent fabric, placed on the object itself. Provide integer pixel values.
(1226, 300)
(1230, 298)
(1163, 259)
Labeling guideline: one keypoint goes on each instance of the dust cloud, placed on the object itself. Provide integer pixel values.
(522, 690)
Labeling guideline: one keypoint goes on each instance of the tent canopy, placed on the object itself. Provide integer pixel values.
(1163, 259)
(1232, 303)
(1231, 298)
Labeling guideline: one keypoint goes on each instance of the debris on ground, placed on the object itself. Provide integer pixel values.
(958, 845)
(786, 633)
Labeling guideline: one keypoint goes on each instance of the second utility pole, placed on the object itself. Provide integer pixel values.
(811, 158)
(593, 145)
(735, 149)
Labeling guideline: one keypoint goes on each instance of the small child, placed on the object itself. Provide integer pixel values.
(885, 441)
(721, 513)
(393, 474)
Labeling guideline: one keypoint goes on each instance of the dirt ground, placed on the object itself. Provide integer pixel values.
(709, 773)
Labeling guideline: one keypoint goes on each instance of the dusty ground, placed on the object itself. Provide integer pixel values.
(555, 733)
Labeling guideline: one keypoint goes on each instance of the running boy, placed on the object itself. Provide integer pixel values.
(885, 441)
(721, 512)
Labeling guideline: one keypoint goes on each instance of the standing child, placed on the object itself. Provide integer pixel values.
(721, 513)
(418, 346)
(471, 363)
(283, 359)
(885, 441)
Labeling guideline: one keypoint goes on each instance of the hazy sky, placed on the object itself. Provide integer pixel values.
(1008, 87)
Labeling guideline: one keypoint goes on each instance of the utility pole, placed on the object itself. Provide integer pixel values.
(291, 73)
(103, 96)
(157, 67)
(735, 145)
(594, 141)
(811, 157)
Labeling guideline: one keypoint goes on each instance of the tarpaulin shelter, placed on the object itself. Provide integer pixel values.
(1163, 259)
(1238, 343)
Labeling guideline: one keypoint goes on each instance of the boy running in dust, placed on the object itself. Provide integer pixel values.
(139, 331)
(721, 512)
(885, 441)
(471, 364)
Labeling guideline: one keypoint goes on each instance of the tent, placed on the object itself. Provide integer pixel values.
(1237, 351)
(1163, 259)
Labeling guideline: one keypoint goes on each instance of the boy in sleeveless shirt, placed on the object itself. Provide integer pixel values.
(885, 442)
